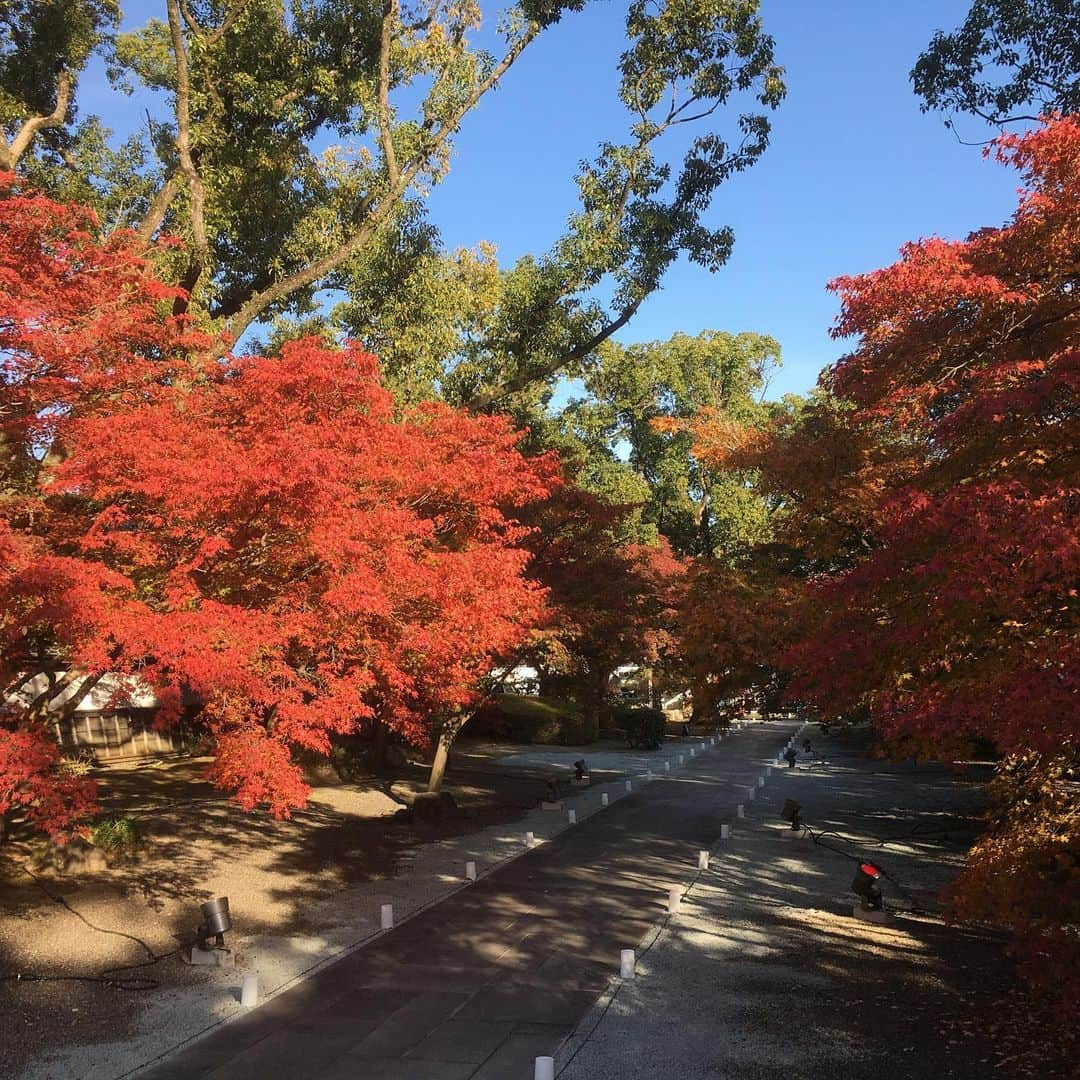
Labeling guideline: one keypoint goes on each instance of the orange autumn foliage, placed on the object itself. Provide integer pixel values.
(927, 559)
(266, 535)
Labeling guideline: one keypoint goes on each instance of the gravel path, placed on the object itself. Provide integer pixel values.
(764, 974)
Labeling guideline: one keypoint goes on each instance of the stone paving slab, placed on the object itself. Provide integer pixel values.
(765, 975)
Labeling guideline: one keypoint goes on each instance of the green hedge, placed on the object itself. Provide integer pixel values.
(531, 719)
(644, 727)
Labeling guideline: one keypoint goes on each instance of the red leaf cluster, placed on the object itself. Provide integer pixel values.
(266, 535)
(963, 618)
(927, 570)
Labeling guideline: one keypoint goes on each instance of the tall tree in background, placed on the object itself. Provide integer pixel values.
(638, 396)
(1010, 61)
(819, 480)
(44, 47)
(255, 88)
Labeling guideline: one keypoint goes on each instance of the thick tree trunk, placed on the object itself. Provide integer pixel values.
(380, 742)
(442, 755)
(595, 691)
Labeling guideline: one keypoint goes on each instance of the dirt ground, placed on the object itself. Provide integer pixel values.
(195, 844)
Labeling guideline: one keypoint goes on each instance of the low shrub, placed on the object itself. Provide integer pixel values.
(644, 727)
(530, 719)
(113, 834)
(82, 764)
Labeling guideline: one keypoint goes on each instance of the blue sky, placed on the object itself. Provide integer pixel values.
(854, 168)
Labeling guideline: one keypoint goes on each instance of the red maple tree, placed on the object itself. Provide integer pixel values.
(267, 534)
(963, 618)
(611, 601)
(81, 328)
(929, 532)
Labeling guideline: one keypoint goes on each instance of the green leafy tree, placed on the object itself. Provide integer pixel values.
(638, 398)
(1010, 60)
(44, 45)
(291, 146)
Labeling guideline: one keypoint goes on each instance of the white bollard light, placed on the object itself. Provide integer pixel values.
(530, 839)
(674, 900)
(761, 781)
(470, 871)
(703, 860)
(680, 759)
(629, 785)
(572, 816)
(387, 917)
(725, 830)
(544, 1069)
(751, 794)
(667, 766)
(740, 810)
(626, 964)
(604, 798)
(249, 990)
(768, 770)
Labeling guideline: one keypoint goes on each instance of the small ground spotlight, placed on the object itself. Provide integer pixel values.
(867, 886)
(216, 922)
(791, 812)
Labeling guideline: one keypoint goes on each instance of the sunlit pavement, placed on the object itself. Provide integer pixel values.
(484, 982)
(762, 973)
(765, 973)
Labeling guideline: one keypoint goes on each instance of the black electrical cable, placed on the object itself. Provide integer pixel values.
(110, 977)
(916, 908)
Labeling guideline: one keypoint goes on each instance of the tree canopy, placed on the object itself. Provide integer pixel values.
(928, 534)
(636, 399)
(270, 534)
(291, 145)
(1009, 61)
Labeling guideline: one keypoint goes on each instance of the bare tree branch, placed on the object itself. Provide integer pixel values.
(523, 379)
(217, 34)
(390, 12)
(155, 215)
(227, 23)
(378, 211)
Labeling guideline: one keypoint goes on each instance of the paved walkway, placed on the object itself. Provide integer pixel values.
(478, 986)
(765, 975)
